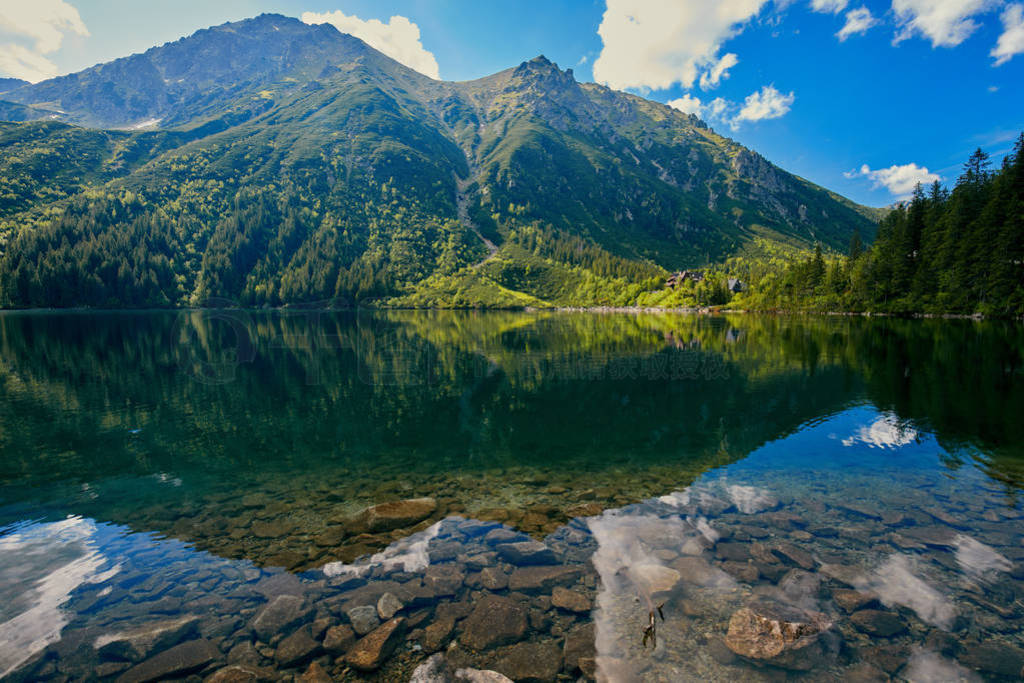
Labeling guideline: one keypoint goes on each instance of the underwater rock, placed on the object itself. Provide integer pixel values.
(532, 579)
(579, 649)
(437, 633)
(443, 580)
(242, 673)
(530, 661)
(525, 553)
(138, 643)
(791, 554)
(878, 623)
(772, 633)
(493, 578)
(182, 659)
(437, 669)
(339, 639)
(393, 515)
(296, 649)
(851, 601)
(569, 600)
(370, 652)
(363, 619)
(282, 614)
(388, 606)
(494, 620)
(994, 658)
(654, 579)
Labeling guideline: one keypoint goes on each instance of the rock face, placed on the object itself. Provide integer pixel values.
(182, 659)
(777, 634)
(370, 652)
(494, 620)
(283, 613)
(394, 515)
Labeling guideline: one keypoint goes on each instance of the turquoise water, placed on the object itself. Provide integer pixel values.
(203, 476)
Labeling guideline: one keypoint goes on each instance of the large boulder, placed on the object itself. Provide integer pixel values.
(396, 514)
(772, 633)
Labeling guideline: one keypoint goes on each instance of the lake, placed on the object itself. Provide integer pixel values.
(651, 497)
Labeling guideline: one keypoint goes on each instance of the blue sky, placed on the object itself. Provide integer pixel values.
(909, 90)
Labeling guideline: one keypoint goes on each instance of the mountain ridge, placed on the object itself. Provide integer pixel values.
(403, 181)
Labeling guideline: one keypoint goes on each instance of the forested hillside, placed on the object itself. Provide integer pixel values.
(325, 171)
(943, 251)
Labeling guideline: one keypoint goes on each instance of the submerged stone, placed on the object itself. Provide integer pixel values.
(393, 515)
(283, 613)
(523, 553)
(494, 620)
(370, 652)
(530, 661)
(180, 660)
(776, 634)
(138, 643)
(878, 623)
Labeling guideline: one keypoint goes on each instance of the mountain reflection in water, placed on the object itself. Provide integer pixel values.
(162, 468)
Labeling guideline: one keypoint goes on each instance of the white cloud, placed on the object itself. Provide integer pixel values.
(398, 39)
(857, 21)
(656, 44)
(719, 70)
(832, 6)
(767, 103)
(1011, 42)
(30, 30)
(899, 180)
(688, 104)
(947, 23)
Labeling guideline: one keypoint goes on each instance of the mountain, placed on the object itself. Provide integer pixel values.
(268, 161)
(7, 84)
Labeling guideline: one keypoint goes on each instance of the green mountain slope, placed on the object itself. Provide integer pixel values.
(311, 167)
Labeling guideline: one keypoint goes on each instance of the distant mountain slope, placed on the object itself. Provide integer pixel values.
(282, 162)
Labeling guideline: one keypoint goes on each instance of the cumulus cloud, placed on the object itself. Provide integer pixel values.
(719, 70)
(947, 23)
(1011, 42)
(899, 180)
(31, 30)
(656, 44)
(857, 21)
(832, 6)
(767, 103)
(688, 104)
(398, 39)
